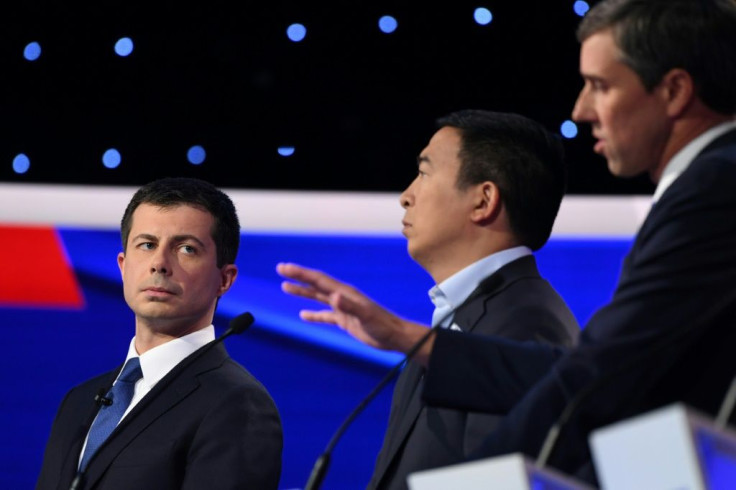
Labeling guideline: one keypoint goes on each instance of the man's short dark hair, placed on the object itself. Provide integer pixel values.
(522, 158)
(656, 36)
(176, 191)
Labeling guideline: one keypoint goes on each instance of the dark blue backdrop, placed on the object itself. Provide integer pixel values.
(316, 373)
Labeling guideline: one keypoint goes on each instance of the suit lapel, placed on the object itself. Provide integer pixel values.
(87, 413)
(651, 222)
(467, 316)
(178, 384)
(410, 405)
(473, 309)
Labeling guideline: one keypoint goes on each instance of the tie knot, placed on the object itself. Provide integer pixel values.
(131, 371)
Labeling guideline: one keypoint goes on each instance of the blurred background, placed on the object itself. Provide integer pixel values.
(284, 104)
(279, 94)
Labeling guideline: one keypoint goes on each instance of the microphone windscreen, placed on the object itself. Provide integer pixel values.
(240, 323)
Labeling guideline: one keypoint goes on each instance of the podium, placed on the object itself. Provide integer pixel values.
(510, 472)
(670, 448)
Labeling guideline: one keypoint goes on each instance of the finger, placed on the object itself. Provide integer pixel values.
(304, 292)
(324, 316)
(313, 277)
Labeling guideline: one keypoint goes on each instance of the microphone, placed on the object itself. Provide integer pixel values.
(237, 325)
(319, 470)
(686, 328)
(726, 409)
(101, 399)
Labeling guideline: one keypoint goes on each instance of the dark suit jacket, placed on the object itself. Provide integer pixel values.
(515, 302)
(207, 424)
(668, 334)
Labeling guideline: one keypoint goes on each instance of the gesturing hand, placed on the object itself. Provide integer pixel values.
(349, 309)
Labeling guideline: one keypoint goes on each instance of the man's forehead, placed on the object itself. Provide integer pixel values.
(194, 217)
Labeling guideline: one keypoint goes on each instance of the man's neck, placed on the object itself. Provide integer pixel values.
(685, 130)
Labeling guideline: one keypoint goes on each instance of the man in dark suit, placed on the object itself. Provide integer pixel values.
(487, 192)
(197, 419)
(660, 78)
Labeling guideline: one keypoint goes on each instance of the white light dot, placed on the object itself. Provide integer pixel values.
(21, 163)
(387, 24)
(286, 151)
(196, 155)
(111, 158)
(124, 46)
(32, 51)
(483, 16)
(296, 32)
(569, 129)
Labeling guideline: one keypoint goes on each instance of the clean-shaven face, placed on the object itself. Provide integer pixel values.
(436, 211)
(629, 123)
(170, 276)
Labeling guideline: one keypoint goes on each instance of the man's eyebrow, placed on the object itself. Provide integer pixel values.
(177, 238)
(423, 159)
(145, 236)
(592, 78)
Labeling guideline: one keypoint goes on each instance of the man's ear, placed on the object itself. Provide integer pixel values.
(678, 90)
(228, 273)
(486, 202)
(121, 262)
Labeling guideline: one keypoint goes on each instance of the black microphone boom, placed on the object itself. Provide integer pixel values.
(319, 470)
(238, 325)
(320, 466)
(713, 314)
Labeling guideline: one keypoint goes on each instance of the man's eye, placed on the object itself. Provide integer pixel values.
(598, 85)
(188, 249)
(146, 246)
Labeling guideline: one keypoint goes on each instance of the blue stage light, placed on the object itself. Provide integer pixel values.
(286, 151)
(124, 46)
(196, 155)
(296, 32)
(387, 24)
(32, 51)
(483, 16)
(569, 129)
(111, 158)
(581, 8)
(21, 163)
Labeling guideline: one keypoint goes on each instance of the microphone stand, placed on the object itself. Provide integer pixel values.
(712, 314)
(237, 325)
(319, 470)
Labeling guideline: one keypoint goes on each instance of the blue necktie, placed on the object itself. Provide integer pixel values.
(109, 415)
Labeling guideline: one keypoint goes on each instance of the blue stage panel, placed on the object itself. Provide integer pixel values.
(316, 373)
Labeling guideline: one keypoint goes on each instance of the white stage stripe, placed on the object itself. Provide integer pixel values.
(296, 211)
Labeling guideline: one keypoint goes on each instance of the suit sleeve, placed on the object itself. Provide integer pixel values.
(238, 445)
(507, 370)
(660, 340)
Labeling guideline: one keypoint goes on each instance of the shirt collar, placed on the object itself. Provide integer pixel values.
(451, 292)
(157, 362)
(682, 159)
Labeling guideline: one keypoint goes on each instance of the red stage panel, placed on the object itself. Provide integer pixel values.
(34, 269)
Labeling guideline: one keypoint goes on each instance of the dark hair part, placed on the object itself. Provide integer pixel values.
(655, 36)
(522, 158)
(177, 191)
